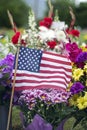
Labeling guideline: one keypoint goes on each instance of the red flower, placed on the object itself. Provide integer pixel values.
(46, 22)
(23, 42)
(15, 38)
(73, 32)
(51, 44)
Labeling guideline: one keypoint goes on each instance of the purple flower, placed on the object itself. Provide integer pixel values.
(82, 57)
(6, 66)
(31, 105)
(9, 60)
(6, 83)
(48, 96)
(7, 70)
(43, 96)
(2, 62)
(61, 97)
(80, 64)
(1, 75)
(76, 88)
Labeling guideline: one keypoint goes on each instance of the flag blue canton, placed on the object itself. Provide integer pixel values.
(29, 59)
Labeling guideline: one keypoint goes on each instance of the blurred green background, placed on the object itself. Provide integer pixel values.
(20, 9)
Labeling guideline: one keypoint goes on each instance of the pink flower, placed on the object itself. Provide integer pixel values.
(71, 47)
(73, 51)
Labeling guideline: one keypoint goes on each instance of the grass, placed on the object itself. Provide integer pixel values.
(16, 122)
(17, 125)
(7, 32)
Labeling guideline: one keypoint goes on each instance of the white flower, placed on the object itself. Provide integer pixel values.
(83, 44)
(4, 49)
(42, 28)
(46, 34)
(24, 36)
(1, 36)
(50, 34)
(60, 36)
(58, 25)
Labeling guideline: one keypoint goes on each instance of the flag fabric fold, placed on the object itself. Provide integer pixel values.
(42, 69)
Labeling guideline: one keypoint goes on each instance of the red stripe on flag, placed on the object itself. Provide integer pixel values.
(46, 86)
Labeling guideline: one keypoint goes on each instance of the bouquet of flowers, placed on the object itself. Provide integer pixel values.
(45, 109)
(50, 35)
(78, 84)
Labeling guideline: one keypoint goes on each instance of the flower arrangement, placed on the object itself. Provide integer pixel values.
(45, 108)
(50, 35)
(78, 56)
(78, 84)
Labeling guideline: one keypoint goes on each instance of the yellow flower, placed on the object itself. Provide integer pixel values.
(77, 73)
(85, 37)
(86, 83)
(84, 48)
(74, 67)
(82, 101)
(73, 100)
(85, 68)
(85, 96)
(69, 86)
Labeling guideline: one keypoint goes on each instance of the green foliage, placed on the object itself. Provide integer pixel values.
(53, 114)
(18, 9)
(16, 123)
(81, 15)
(64, 15)
(81, 118)
(63, 9)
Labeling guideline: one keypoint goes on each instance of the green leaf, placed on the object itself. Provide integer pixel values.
(77, 122)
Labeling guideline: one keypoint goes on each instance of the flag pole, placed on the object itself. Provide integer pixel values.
(16, 64)
(13, 86)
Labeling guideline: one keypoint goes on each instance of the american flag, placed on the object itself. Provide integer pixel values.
(42, 69)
